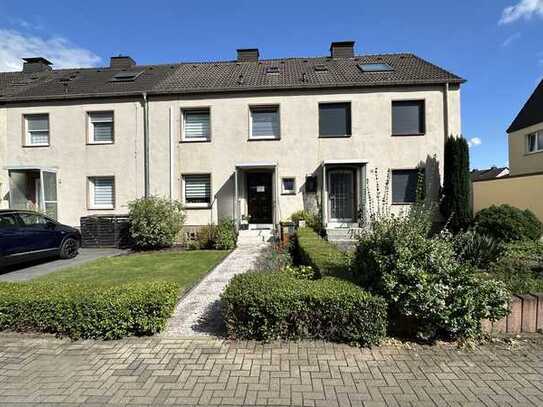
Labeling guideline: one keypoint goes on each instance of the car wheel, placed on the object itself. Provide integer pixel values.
(69, 248)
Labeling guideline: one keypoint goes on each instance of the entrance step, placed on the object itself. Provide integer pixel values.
(254, 236)
(343, 234)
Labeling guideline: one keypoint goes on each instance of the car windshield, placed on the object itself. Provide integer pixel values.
(33, 219)
(7, 221)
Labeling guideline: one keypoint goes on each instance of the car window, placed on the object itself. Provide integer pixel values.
(32, 219)
(7, 221)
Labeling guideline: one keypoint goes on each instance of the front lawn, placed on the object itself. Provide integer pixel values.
(183, 268)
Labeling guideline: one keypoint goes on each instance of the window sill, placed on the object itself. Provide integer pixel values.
(288, 193)
(335, 136)
(203, 140)
(533, 152)
(263, 138)
(35, 145)
(93, 143)
(197, 206)
(403, 203)
(408, 135)
(90, 208)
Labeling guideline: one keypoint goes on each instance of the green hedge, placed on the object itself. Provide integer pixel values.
(86, 311)
(325, 258)
(267, 306)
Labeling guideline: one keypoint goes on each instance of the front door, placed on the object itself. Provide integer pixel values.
(341, 195)
(259, 197)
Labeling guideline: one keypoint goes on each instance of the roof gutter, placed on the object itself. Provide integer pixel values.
(146, 144)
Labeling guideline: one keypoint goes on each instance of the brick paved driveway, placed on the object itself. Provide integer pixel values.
(206, 371)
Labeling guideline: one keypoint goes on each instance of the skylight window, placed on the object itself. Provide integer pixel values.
(272, 70)
(126, 76)
(321, 68)
(375, 67)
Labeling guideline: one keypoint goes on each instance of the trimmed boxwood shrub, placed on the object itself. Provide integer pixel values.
(507, 223)
(155, 222)
(87, 311)
(266, 306)
(325, 258)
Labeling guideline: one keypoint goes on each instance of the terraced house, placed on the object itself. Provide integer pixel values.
(253, 139)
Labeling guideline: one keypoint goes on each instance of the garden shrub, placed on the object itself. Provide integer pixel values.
(226, 235)
(507, 223)
(155, 222)
(476, 249)
(300, 272)
(325, 258)
(312, 220)
(518, 274)
(423, 282)
(206, 236)
(273, 258)
(266, 306)
(87, 311)
(530, 251)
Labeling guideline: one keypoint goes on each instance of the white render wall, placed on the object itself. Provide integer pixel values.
(74, 159)
(298, 153)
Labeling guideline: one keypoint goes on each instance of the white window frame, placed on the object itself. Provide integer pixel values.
(253, 108)
(538, 148)
(201, 205)
(28, 133)
(184, 111)
(288, 191)
(90, 195)
(90, 126)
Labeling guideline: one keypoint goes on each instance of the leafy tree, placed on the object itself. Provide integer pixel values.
(455, 205)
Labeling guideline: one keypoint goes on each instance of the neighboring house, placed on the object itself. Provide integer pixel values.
(248, 139)
(489, 173)
(523, 187)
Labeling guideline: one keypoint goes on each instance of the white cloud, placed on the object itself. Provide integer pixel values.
(509, 40)
(523, 9)
(474, 141)
(15, 45)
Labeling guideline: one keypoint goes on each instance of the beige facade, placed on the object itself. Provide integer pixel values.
(299, 152)
(523, 192)
(72, 158)
(229, 156)
(520, 160)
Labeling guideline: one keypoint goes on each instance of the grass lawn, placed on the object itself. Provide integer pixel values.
(183, 268)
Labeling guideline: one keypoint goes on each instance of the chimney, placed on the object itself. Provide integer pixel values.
(248, 55)
(121, 62)
(342, 49)
(36, 64)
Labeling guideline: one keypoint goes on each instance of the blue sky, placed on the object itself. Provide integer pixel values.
(495, 44)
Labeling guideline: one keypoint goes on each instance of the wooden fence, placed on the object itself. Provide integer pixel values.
(526, 316)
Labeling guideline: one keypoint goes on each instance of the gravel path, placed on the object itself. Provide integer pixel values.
(198, 313)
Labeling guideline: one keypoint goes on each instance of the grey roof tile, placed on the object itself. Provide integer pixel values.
(531, 113)
(224, 76)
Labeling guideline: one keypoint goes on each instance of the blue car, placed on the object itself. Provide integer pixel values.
(27, 236)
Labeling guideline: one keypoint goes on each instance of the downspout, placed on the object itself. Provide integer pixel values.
(446, 109)
(146, 144)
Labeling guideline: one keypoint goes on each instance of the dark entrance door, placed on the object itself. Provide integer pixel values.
(259, 197)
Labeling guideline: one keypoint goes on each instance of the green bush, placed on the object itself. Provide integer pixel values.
(476, 249)
(300, 272)
(325, 258)
(266, 306)
(155, 222)
(518, 274)
(87, 311)
(312, 220)
(423, 282)
(506, 223)
(530, 251)
(206, 236)
(226, 235)
(273, 258)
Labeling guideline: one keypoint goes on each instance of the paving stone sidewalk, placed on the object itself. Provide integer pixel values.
(207, 371)
(198, 313)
